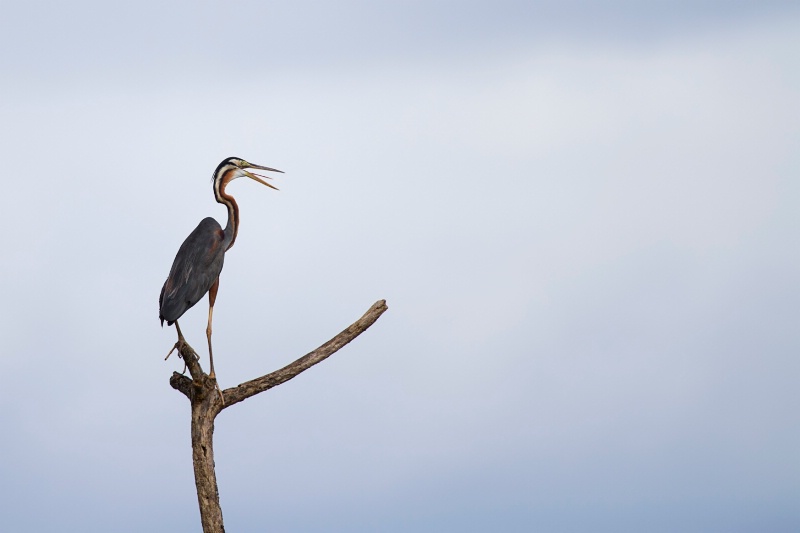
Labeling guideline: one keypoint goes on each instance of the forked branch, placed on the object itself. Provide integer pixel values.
(207, 402)
(250, 388)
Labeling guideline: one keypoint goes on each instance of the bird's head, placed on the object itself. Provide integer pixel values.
(235, 167)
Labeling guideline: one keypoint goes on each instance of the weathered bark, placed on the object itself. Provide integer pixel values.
(203, 460)
(208, 401)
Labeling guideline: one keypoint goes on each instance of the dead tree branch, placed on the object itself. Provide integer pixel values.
(250, 388)
(207, 402)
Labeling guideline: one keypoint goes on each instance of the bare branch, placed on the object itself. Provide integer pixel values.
(200, 381)
(250, 388)
(207, 403)
(191, 359)
(181, 383)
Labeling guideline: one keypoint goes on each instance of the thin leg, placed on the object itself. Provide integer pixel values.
(180, 335)
(178, 344)
(180, 341)
(212, 297)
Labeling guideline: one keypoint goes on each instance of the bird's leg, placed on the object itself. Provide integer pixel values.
(178, 345)
(181, 340)
(212, 297)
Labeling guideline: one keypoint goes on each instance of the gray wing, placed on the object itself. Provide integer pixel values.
(195, 269)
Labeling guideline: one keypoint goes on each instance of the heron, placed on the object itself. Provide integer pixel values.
(198, 264)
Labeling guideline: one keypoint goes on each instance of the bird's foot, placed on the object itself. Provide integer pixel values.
(180, 346)
(177, 345)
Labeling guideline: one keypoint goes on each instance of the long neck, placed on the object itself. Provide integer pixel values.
(232, 227)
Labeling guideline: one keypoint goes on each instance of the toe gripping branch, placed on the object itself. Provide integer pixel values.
(194, 386)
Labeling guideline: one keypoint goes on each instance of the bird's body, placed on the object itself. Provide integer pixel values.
(199, 260)
(196, 268)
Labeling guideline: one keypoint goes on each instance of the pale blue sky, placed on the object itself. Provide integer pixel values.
(583, 218)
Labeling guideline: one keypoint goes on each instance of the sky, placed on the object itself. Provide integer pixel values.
(583, 217)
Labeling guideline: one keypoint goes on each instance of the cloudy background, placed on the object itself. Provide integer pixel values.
(583, 217)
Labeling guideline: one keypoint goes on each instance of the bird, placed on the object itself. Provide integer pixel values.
(198, 263)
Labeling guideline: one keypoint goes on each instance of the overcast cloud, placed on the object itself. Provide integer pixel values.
(584, 219)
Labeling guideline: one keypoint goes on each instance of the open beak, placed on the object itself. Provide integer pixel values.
(258, 177)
